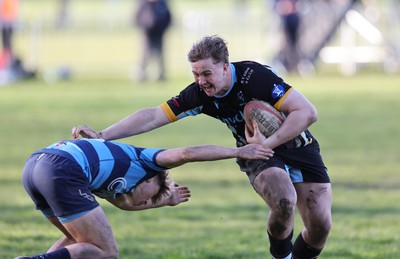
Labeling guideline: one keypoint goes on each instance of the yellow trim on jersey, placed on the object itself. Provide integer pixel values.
(279, 103)
(168, 112)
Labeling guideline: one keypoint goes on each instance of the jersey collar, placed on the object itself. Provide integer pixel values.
(234, 79)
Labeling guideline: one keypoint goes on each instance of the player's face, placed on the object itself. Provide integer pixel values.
(146, 190)
(214, 79)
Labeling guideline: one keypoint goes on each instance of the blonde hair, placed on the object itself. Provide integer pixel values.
(209, 47)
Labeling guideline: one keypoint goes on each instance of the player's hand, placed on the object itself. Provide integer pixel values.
(255, 151)
(178, 194)
(84, 131)
(256, 137)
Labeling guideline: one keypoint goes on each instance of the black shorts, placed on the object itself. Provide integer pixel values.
(58, 187)
(302, 164)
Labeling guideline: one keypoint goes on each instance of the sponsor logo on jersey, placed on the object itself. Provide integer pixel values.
(238, 118)
(175, 101)
(246, 76)
(278, 91)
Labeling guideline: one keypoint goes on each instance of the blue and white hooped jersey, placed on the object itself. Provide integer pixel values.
(112, 168)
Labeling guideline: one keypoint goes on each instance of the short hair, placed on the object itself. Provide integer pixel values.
(163, 179)
(209, 47)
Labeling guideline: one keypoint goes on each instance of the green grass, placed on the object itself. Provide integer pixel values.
(357, 129)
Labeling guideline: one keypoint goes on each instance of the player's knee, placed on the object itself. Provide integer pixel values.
(319, 228)
(281, 217)
(324, 227)
(112, 254)
(111, 251)
(278, 194)
(284, 208)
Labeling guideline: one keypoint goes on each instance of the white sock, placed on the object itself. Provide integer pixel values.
(289, 256)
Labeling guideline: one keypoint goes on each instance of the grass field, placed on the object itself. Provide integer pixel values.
(357, 128)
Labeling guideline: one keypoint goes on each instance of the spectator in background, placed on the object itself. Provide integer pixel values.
(11, 68)
(8, 17)
(153, 17)
(62, 18)
(289, 53)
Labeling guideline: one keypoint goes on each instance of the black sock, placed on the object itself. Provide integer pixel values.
(280, 248)
(61, 253)
(302, 250)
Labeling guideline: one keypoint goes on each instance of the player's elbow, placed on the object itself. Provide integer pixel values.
(195, 154)
(187, 155)
(312, 116)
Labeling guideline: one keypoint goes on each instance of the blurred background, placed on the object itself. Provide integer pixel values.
(55, 39)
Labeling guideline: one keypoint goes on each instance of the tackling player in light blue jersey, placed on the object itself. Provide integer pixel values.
(63, 178)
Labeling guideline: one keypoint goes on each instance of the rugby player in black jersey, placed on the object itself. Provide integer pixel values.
(295, 177)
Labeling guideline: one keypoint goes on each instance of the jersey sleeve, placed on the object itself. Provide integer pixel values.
(187, 103)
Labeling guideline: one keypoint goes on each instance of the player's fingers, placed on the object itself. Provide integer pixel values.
(75, 132)
(256, 129)
(255, 125)
(185, 194)
(247, 132)
(267, 150)
(81, 130)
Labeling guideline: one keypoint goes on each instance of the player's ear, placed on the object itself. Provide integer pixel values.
(226, 66)
(142, 203)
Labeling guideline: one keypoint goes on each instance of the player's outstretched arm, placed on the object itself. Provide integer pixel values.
(177, 194)
(178, 156)
(139, 122)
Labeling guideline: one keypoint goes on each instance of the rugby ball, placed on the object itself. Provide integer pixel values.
(267, 117)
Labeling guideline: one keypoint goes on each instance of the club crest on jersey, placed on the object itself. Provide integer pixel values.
(277, 91)
(117, 185)
(240, 97)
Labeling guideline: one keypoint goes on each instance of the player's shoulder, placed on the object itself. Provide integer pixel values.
(246, 64)
(249, 66)
(250, 63)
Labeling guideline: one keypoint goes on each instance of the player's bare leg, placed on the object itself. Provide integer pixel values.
(93, 235)
(89, 236)
(64, 241)
(314, 204)
(277, 190)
